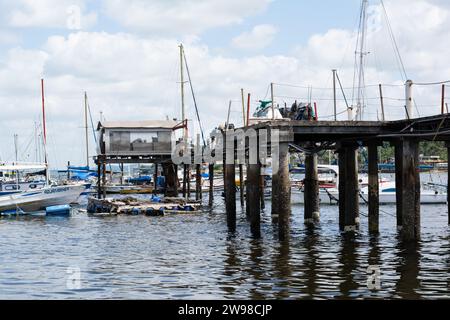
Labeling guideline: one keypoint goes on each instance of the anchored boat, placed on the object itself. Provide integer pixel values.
(36, 200)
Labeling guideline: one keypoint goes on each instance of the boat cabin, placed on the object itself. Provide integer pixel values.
(136, 138)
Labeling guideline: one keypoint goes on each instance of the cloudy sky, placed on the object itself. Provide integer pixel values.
(125, 55)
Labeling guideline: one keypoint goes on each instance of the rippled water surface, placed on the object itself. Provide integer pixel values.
(194, 257)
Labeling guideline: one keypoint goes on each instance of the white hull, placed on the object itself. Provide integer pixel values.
(40, 199)
(332, 196)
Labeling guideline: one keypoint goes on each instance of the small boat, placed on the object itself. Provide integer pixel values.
(32, 182)
(387, 194)
(36, 200)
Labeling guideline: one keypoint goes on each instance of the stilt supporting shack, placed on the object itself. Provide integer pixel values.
(185, 180)
(155, 179)
(211, 184)
(170, 173)
(311, 193)
(254, 201)
(198, 182)
(374, 199)
(410, 189)
(103, 188)
(99, 179)
(188, 181)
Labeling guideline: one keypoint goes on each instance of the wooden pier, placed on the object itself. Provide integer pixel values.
(344, 138)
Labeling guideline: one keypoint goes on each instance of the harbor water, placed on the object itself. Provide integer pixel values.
(193, 256)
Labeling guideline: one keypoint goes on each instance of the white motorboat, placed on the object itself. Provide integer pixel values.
(36, 200)
(387, 195)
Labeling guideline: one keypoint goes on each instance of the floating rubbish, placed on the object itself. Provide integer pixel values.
(133, 206)
(62, 210)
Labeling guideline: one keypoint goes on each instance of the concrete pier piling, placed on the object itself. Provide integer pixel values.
(283, 192)
(311, 189)
(374, 198)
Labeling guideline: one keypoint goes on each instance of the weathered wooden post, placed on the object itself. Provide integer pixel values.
(188, 178)
(275, 201)
(198, 183)
(311, 189)
(121, 173)
(170, 174)
(351, 204)
(99, 178)
(211, 184)
(447, 144)
(374, 199)
(241, 184)
(398, 181)
(104, 179)
(341, 188)
(230, 181)
(184, 180)
(253, 195)
(68, 170)
(155, 179)
(410, 190)
(262, 191)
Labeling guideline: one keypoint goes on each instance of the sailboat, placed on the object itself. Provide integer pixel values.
(50, 195)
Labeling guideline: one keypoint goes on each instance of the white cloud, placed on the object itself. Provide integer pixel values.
(258, 38)
(182, 16)
(8, 38)
(69, 14)
(130, 76)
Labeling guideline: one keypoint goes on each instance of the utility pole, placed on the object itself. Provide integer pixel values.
(243, 106)
(273, 101)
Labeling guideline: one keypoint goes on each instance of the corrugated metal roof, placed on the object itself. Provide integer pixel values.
(147, 124)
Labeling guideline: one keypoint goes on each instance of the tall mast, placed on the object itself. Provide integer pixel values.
(183, 111)
(362, 54)
(86, 127)
(45, 131)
